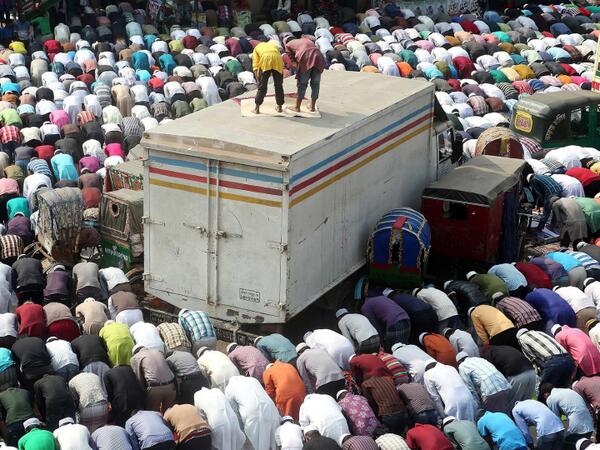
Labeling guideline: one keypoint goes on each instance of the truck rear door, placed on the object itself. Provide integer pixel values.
(248, 248)
(176, 226)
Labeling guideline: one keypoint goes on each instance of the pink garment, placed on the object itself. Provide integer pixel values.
(59, 118)
(9, 186)
(374, 57)
(578, 80)
(114, 150)
(425, 45)
(90, 163)
(490, 38)
(581, 348)
(249, 360)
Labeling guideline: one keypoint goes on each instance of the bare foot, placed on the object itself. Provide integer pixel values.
(278, 108)
(312, 109)
(256, 110)
(294, 108)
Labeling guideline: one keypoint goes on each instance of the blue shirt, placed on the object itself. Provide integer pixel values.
(551, 306)
(510, 275)
(564, 259)
(63, 167)
(277, 347)
(532, 412)
(149, 428)
(6, 359)
(572, 405)
(503, 431)
(113, 437)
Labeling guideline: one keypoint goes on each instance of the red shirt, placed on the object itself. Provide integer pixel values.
(45, 152)
(536, 277)
(32, 321)
(427, 437)
(366, 366)
(585, 176)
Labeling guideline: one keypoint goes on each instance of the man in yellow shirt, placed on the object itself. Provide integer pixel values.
(267, 61)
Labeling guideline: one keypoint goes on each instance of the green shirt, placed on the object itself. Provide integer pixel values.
(42, 23)
(15, 405)
(10, 116)
(37, 439)
(464, 434)
(489, 284)
(591, 210)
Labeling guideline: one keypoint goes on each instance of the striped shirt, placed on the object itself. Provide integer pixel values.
(391, 441)
(482, 378)
(10, 246)
(359, 443)
(39, 166)
(518, 311)
(395, 367)
(381, 391)
(480, 107)
(554, 166)
(196, 324)
(586, 260)
(544, 187)
(416, 398)
(538, 347)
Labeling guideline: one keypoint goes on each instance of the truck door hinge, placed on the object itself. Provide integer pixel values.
(281, 246)
(149, 277)
(147, 220)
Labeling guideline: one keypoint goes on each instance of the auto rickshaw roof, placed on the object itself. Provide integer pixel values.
(479, 181)
(549, 105)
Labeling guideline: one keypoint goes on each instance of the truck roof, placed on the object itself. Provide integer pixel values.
(346, 99)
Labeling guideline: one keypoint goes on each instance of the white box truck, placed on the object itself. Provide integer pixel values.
(254, 218)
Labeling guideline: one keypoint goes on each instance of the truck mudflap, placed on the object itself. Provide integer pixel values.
(225, 331)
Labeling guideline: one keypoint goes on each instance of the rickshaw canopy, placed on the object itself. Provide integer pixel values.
(479, 181)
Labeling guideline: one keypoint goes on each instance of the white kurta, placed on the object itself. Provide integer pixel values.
(217, 367)
(323, 412)
(449, 393)
(337, 345)
(257, 411)
(225, 429)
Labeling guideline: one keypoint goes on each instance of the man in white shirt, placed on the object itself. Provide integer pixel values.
(584, 306)
(444, 307)
(113, 279)
(8, 329)
(591, 287)
(337, 345)
(72, 436)
(62, 358)
(147, 335)
(226, 433)
(256, 410)
(324, 413)
(413, 358)
(216, 366)
(209, 89)
(448, 391)
(289, 435)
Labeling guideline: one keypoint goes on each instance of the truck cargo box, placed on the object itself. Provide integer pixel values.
(254, 218)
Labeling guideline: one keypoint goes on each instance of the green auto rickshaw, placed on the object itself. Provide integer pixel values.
(121, 229)
(558, 119)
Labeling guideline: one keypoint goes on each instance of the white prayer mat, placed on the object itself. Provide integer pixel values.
(269, 105)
